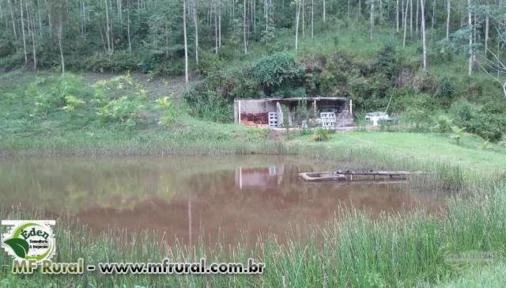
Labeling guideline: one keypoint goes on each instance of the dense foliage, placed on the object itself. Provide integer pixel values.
(66, 102)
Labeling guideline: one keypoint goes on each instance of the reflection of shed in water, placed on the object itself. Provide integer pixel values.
(259, 177)
(326, 112)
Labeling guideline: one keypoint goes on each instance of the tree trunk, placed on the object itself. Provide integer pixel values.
(23, 31)
(424, 43)
(433, 19)
(297, 20)
(405, 24)
(120, 12)
(107, 27)
(49, 18)
(111, 31)
(185, 44)
(411, 18)
(448, 14)
(417, 16)
(196, 27)
(266, 15)
(219, 24)
(470, 25)
(371, 24)
(397, 24)
(215, 12)
(252, 16)
(128, 30)
(303, 18)
(487, 24)
(13, 19)
(31, 29)
(60, 46)
(312, 18)
(245, 28)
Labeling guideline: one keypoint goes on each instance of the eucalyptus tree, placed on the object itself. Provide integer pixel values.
(424, 42)
(298, 8)
(185, 43)
(470, 26)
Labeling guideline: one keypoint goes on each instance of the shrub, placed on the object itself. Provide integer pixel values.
(121, 100)
(480, 121)
(443, 123)
(446, 90)
(321, 134)
(209, 63)
(277, 72)
(462, 111)
(425, 82)
(386, 61)
(125, 110)
(51, 94)
(168, 111)
(209, 105)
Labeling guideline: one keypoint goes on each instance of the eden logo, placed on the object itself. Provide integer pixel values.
(31, 240)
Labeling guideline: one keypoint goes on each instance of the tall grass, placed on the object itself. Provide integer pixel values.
(351, 251)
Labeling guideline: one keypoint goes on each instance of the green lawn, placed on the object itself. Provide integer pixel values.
(471, 153)
(490, 276)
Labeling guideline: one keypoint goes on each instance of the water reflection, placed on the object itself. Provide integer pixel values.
(259, 177)
(217, 200)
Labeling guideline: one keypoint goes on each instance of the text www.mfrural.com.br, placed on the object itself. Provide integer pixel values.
(165, 267)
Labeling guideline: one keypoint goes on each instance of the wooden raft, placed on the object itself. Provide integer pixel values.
(343, 176)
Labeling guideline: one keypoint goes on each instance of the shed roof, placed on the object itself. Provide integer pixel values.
(318, 98)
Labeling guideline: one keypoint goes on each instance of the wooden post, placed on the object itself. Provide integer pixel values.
(239, 109)
(236, 118)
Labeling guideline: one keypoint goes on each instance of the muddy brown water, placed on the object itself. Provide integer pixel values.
(215, 200)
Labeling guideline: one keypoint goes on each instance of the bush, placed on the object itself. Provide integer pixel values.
(51, 94)
(446, 90)
(321, 134)
(425, 82)
(480, 121)
(209, 105)
(209, 63)
(278, 71)
(443, 123)
(124, 110)
(168, 111)
(386, 61)
(121, 100)
(462, 111)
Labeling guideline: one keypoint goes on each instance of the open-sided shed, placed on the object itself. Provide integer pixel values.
(327, 112)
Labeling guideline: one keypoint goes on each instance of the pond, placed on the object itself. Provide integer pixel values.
(215, 200)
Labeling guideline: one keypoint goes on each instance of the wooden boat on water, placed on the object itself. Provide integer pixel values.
(355, 176)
